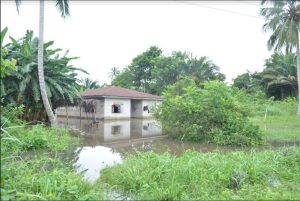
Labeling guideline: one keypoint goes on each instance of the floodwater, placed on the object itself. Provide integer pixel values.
(109, 142)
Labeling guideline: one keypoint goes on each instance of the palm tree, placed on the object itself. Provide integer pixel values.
(63, 7)
(283, 19)
(88, 83)
(280, 75)
(114, 72)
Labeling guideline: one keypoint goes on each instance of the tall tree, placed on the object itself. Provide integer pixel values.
(141, 67)
(283, 19)
(63, 7)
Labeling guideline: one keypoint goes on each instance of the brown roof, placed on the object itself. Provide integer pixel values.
(114, 91)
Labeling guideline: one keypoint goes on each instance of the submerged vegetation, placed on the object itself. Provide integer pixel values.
(209, 176)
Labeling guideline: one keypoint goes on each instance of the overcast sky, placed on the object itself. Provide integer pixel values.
(108, 34)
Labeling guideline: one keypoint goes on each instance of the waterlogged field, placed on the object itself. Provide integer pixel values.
(236, 175)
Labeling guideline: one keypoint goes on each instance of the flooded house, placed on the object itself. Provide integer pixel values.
(112, 103)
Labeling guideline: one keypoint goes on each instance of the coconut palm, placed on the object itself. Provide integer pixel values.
(63, 7)
(283, 19)
(114, 72)
(88, 83)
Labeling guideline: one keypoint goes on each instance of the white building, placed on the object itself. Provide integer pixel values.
(113, 103)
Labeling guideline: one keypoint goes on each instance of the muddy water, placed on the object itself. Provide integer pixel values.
(109, 142)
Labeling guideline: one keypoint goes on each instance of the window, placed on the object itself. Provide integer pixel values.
(146, 108)
(116, 130)
(116, 108)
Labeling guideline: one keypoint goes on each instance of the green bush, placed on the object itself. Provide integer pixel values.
(213, 113)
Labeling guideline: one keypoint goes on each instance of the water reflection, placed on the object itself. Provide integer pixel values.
(92, 159)
(112, 132)
(102, 142)
(109, 142)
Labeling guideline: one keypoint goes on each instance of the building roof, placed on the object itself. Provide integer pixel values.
(118, 92)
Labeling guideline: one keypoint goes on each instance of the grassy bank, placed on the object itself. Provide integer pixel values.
(283, 128)
(235, 175)
(32, 169)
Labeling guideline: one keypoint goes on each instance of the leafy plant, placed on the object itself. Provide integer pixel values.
(212, 113)
(22, 87)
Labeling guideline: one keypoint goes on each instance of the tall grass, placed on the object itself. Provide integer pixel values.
(278, 120)
(236, 175)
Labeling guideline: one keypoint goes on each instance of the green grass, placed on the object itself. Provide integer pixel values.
(284, 128)
(32, 169)
(236, 175)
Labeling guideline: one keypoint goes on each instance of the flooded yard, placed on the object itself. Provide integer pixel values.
(109, 142)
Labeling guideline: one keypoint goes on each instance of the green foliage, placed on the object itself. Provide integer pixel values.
(142, 66)
(88, 83)
(31, 164)
(211, 176)
(124, 79)
(152, 72)
(280, 75)
(213, 114)
(22, 86)
(251, 82)
(7, 65)
(283, 19)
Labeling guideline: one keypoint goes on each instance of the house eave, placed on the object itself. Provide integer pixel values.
(124, 97)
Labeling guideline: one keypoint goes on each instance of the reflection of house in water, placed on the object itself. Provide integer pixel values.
(145, 127)
(112, 103)
(109, 131)
(116, 130)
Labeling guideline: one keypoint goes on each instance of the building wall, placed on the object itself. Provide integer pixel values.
(100, 109)
(129, 108)
(74, 111)
(125, 108)
(136, 108)
(71, 111)
(150, 104)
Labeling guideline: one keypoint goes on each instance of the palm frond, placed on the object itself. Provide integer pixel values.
(63, 7)
(18, 4)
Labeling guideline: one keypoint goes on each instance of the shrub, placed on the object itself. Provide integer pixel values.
(213, 113)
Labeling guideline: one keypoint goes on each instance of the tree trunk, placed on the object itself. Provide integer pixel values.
(298, 74)
(41, 67)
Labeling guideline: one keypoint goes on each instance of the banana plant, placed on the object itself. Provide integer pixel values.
(22, 86)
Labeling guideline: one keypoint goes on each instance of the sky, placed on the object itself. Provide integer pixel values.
(105, 34)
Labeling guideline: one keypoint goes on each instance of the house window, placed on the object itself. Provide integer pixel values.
(146, 108)
(116, 108)
(116, 130)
